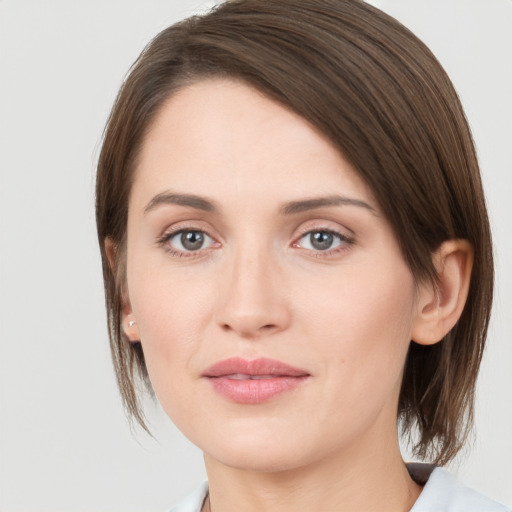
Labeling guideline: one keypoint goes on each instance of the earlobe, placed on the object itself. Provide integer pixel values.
(440, 304)
(128, 322)
(130, 328)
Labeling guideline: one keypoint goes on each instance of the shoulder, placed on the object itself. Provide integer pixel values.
(193, 502)
(444, 493)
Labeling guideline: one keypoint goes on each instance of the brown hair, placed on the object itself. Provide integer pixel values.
(383, 99)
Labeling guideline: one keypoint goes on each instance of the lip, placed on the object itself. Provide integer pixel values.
(253, 381)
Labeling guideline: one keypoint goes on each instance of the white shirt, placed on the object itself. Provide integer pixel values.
(442, 493)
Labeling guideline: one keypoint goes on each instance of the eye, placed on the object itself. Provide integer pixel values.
(186, 240)
(322, 240)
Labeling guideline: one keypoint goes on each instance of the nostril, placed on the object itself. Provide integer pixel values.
(249, 331)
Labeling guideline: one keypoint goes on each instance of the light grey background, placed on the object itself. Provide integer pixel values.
(65, 445)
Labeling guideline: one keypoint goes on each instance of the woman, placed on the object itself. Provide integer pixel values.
(296, 254)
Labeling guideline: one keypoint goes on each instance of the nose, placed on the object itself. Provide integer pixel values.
(253, 301)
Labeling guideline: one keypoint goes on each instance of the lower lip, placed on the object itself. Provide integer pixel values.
(254, 391)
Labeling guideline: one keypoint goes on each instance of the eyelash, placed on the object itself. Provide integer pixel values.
(345, 242)
(164, 240)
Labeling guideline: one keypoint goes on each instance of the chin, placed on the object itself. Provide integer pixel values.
(260, 460)
(265, 452)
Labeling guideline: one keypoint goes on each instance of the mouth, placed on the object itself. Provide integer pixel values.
(253, 382)
(243, 376)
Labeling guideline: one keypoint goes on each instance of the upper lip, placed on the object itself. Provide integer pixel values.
(261, 366)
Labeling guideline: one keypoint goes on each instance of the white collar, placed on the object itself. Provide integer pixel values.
(442, 492)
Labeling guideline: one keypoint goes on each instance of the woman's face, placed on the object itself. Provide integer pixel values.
(273, 304)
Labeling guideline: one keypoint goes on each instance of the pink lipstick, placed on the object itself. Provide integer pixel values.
(253, 382)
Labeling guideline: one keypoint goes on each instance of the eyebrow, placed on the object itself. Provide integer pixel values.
(193, 201)
(290, 208)
(321, 202)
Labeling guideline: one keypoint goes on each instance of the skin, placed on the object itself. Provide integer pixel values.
(259, 287)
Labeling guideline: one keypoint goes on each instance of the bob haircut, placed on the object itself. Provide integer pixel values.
(382, 98)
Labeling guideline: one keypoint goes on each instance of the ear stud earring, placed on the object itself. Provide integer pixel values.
(131, 323)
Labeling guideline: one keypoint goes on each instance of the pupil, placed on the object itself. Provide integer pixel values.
(192, 240)
(321, 240)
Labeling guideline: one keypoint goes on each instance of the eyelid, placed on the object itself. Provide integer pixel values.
(341, 236)
(325, 225)
(171, 231)
(186, 225)
(346, 235)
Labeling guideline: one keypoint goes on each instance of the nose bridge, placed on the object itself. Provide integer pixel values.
(252, 301)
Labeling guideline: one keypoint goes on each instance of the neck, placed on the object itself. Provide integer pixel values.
(374, 481)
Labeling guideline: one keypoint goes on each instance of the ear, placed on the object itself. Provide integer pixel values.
(128, 321)
(441, 304)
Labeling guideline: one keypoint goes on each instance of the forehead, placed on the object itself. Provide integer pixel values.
(223, 135)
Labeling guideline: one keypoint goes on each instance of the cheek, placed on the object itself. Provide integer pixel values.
(172, 310)
(362, 322)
